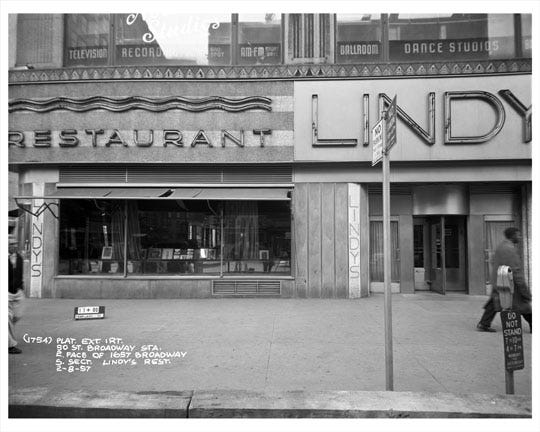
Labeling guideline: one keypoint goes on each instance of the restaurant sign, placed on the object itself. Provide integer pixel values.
(138, 138)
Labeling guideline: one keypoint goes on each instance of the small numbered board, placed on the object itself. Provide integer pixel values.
(89, 312)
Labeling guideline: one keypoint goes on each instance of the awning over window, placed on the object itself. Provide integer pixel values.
(230, 194)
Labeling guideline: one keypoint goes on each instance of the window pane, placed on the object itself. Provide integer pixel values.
(87, 40)
(180, 39)
(376, 254)
(451, 36)
(259, 38)
(358, 38)
(91, 237)
(174, 237)
(257, 237)
(526, 35)
(418, 245)
(34, 39)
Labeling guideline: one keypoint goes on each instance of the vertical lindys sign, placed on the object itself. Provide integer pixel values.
(354, 240)
(36, 243)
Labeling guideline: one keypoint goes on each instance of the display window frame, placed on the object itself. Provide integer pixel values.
(205, 254)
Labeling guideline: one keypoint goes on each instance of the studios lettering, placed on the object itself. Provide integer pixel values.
(139, 138)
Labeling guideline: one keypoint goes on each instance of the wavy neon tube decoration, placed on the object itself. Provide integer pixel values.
(142, 103)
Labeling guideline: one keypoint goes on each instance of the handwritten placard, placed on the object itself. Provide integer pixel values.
(84, 354)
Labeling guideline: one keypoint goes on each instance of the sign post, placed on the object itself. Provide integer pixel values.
(513, 346)
(384, 138)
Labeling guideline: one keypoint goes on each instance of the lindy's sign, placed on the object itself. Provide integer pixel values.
(137, 138)
(428, 136)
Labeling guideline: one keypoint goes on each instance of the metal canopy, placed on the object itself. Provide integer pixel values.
(252, 194)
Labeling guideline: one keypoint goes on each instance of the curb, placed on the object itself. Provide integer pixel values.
(44, 403)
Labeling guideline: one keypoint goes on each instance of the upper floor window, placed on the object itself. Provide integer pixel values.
(526, 35)
(86, 40)
(34, 39)
(451, 37)
(359, 38)
(259, 39)
(263, 38)
(309, 38)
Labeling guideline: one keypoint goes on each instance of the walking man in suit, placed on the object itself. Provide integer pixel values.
(506, 254)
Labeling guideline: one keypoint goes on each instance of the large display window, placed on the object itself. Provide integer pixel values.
(376, 251)
(174, 237)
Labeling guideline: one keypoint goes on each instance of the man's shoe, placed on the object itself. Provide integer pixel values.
(483, 328)
(15, 350)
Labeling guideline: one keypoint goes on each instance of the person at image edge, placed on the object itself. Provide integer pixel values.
(506, 254)
(16, 294)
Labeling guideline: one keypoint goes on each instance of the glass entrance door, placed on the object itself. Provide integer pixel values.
(437, 261)
(455, 253)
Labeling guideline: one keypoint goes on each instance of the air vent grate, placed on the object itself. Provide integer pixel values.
(246, 288)
(178, 174)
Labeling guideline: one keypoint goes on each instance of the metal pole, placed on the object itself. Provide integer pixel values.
(387, 268)
(509, 375)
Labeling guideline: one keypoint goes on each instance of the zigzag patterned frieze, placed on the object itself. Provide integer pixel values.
(287, 72)
(142, 103)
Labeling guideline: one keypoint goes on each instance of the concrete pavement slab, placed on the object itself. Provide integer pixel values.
(355, 404)
(275, 344)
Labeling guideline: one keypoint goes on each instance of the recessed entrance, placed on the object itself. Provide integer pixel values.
(440, 252)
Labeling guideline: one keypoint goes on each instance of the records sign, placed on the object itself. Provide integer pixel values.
(139, 54)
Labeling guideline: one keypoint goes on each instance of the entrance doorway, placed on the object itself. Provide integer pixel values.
(440, 252)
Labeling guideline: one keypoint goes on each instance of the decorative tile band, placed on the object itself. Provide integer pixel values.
(142, 103)
(271, 72)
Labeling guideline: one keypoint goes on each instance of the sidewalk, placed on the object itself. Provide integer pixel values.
(271, 345)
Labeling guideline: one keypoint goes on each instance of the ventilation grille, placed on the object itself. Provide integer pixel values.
(493, 188)
(395, 189)
(246, 288)
(214, 174)
(95, 174)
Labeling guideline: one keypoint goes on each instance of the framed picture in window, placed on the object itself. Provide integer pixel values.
(167, 253)
(106, 252)
(264, 254)
(154, 253)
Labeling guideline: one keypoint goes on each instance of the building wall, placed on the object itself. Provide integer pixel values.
(321, 260)
(133, 288)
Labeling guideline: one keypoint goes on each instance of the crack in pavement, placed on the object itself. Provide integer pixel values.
(269, 352)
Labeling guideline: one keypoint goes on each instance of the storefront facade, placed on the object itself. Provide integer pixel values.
(212, 181)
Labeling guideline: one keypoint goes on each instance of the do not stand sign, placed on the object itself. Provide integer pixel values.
(513, 340)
